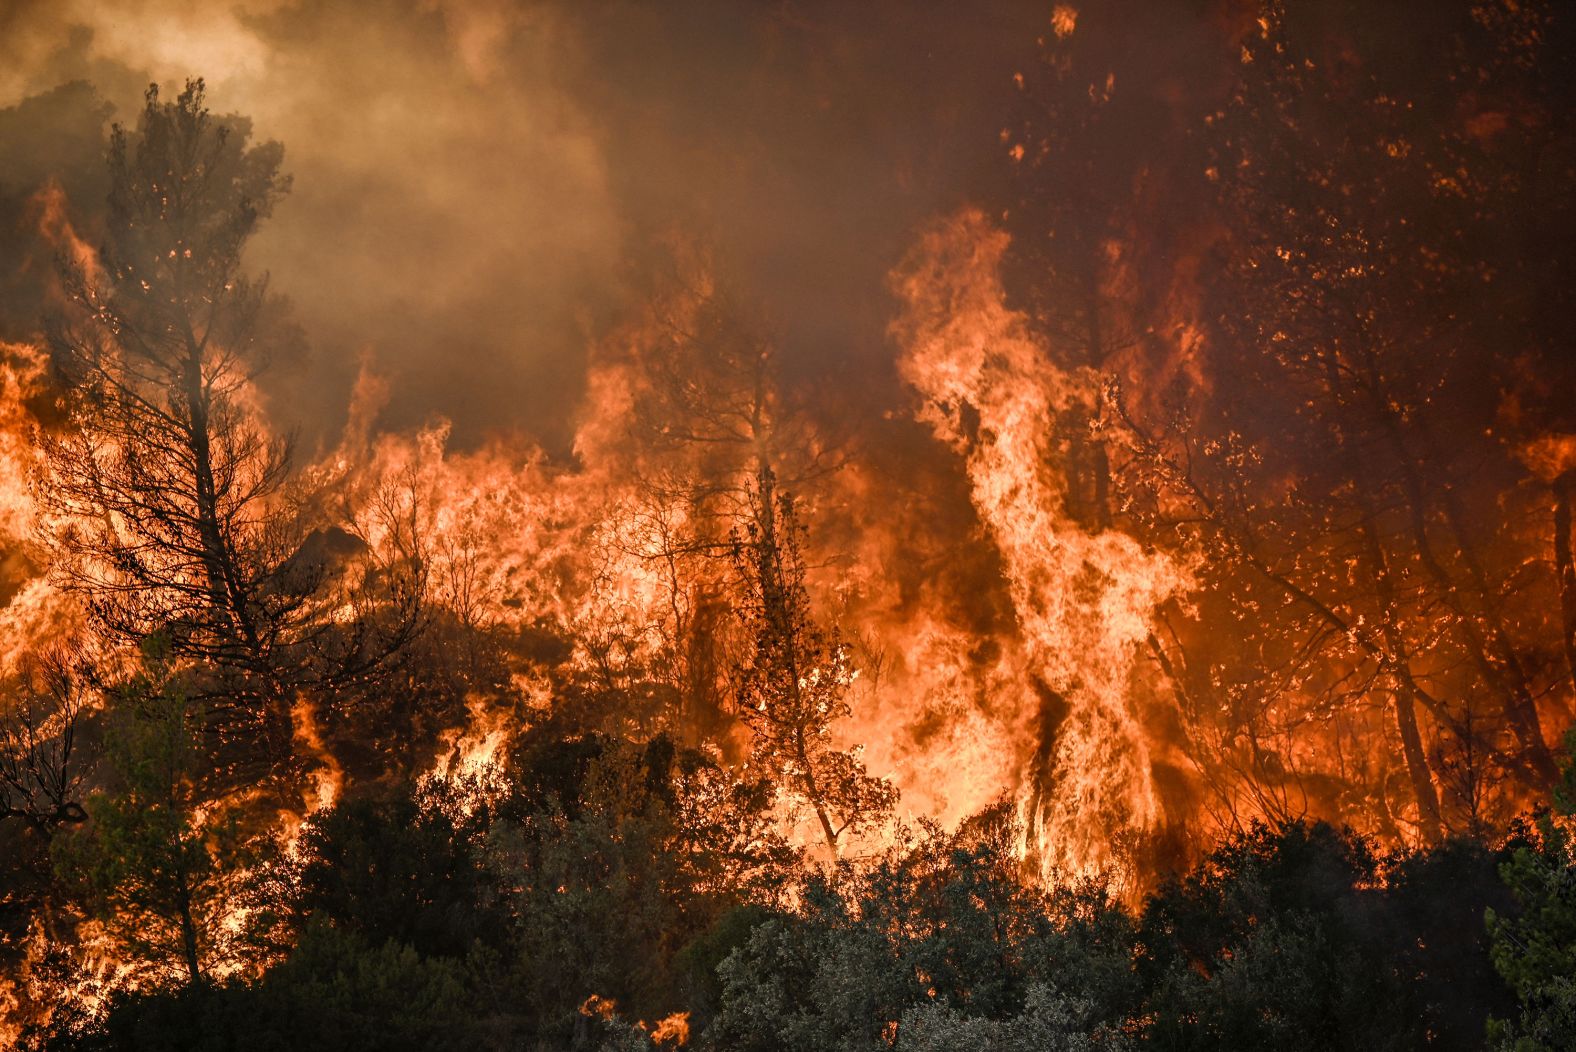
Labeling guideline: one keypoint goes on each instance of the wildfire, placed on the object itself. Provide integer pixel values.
(511, 539)
(328, 777)
(35, 615)
(712, 566)
(56, 229)
(1083, 601)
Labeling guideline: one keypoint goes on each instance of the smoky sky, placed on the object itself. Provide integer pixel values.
(481, 188)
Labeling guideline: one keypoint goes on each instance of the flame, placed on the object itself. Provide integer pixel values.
(328, 777)
(1550, 456)
(672, 1029)
(36, 613)
(1084, 602)
(56, 228)
(472, 750)
(91, 972)
(21, 371)
(598, 1007)
(1064, 20)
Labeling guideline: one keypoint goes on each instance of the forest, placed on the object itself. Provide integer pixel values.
(788, 527)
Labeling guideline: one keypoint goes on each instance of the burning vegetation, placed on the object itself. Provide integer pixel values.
(1159, 628)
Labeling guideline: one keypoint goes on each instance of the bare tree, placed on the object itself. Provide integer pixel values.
(709, 413)
(42, 766)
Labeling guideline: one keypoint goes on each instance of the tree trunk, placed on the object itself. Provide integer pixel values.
(1477, 630)
(188, 931)
(1507, 673)
(226, 588)
(1402, 698)
(813, 791)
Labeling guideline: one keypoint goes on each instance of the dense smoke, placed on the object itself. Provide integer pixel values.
(480, 187)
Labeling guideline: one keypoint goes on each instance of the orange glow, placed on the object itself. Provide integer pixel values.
(1083, 601)
(1177, 475)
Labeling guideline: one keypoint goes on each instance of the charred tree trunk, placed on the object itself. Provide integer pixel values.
(233, 611)
(189, 947)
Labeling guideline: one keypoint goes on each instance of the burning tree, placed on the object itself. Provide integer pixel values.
(794, 685)
(1334, 197)
(1372, 537)
(158, 861)
(1093, 140)
(171, 497)
(41, 767)
(712, 436)
(709, 416)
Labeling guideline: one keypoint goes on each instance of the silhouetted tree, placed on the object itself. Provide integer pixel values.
(42, 767)
(793, 688)
(708, 412)
(168, 492)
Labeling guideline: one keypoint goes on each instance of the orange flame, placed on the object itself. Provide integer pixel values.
(1083, 601)
(54, 223)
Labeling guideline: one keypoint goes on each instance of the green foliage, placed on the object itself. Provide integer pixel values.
(352, 993)
(406, 866)
(578, 901)
(1535, 945)
(155, 864)
(587, 868)
(1049, 1022)
(334, 992)
(617, 857)
(1301, 937)
(943, 932)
